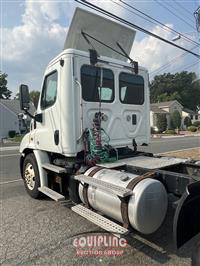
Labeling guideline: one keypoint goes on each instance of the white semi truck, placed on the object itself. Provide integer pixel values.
(92, 114)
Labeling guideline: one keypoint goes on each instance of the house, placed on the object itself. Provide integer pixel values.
(10, 118)
(194, 116)
(168, 108)
(154, 111)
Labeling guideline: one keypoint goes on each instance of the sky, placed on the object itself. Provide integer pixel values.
(33, 32)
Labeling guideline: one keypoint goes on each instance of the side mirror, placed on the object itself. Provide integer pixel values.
(24, 97)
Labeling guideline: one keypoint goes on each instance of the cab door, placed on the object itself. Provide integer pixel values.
(47, 136)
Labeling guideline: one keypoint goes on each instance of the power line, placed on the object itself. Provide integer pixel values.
(188, 66)
(179, 11)
(161, 68)
(107, 13)
(164, 6)
(183, 8)
(132, 11)
(157, 21)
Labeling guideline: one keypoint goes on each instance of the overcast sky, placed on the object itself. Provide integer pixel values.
(33, 32)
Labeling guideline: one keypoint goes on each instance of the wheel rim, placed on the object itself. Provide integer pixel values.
(30, 176)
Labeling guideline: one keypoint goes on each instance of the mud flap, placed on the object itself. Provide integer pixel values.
(187, 216)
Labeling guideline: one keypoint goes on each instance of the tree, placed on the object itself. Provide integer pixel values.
(187, 121)
(34, 96)
(161, 122)
(182, 87)
(176, 119)
(4, 92)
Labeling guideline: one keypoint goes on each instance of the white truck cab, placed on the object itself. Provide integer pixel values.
(92, 114)
(70, 98)
(70, 93)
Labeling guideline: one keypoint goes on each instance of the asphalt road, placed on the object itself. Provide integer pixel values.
(37, 232)
(170, 144)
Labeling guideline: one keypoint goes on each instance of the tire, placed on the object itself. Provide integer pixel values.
(196, 255)
(31, 176)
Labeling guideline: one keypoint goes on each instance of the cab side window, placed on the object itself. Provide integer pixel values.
(49, 91)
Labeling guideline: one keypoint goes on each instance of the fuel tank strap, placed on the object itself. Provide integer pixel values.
(94, 171)
(85, 186)
(124, 201)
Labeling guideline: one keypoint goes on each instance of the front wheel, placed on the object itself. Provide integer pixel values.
(31, 176)
(196, 255)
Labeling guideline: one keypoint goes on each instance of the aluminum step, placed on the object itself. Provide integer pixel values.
(111, 188)
(54, 168)
(51, 193)
(101, 221)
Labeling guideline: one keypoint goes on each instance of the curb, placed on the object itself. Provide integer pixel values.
(173, 136)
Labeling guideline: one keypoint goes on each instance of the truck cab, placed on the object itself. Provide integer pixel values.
(71, 93)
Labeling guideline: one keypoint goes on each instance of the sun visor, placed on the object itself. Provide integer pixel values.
(102, 29)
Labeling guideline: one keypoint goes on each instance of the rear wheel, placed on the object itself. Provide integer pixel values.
(31, 176)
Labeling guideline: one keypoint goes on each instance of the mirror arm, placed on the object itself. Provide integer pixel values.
(29, 114)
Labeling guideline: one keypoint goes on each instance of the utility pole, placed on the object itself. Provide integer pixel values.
(197, 17)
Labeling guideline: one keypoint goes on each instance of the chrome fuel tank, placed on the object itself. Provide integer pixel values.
(146, 207)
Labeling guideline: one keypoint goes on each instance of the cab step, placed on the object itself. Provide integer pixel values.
(111, 188)
(51, 193)
(101, 221)
(54, 168)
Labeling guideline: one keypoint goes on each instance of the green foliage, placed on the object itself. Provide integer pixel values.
(18, 138)
(164, 97)
(187, 121)
(176, 119)
(34, 96)
(12, 133)
(179, 86)
(196, 124)
(170, 131)
(4, 92)
(192, 129)
(161, 122)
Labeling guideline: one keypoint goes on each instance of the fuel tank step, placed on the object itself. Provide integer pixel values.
(51, 193)
(111, 188)
(101, 221)
(54, 168)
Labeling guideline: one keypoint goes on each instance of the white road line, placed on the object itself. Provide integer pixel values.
(12, 181)
(9, 155)
(178, 150)
(10, 148)
(167, 140)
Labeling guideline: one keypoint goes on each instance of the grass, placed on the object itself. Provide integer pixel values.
(17, 138)
(193, 154)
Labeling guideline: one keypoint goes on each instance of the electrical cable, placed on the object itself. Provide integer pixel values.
(161, 68)
(165, 27)
(164, 6)
(107, 13)
(188, 66)
(183, 8)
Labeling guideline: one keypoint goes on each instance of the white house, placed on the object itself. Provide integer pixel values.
(194, 116)
(9, 119)
(168, 108)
